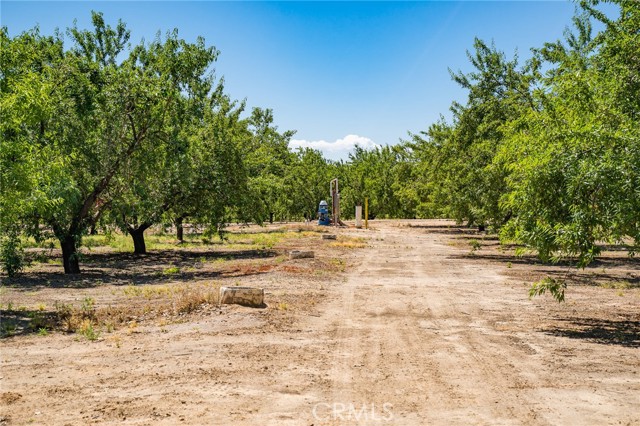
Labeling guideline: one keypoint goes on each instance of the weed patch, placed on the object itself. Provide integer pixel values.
(349, 243)
(171, 271)
(618, 285)
(89, 320)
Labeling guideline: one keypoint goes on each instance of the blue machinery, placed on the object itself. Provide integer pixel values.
(323, 214)
(323, 210)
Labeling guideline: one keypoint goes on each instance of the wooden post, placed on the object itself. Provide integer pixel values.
(335, 201)
(366, 213)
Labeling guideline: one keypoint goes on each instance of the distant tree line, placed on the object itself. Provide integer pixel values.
(100, 134)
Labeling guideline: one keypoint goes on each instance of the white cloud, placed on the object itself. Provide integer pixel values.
(339, 149)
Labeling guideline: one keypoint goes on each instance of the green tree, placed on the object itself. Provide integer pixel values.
(429, 157)
(267, 157)
(85, 115)
(306, 183)
(381, 175)
(575, 163)
(159, 177)
(465, 183)
(26, 65)
(215, 185)
(73, 126)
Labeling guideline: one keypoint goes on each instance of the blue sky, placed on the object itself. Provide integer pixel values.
(338, 73)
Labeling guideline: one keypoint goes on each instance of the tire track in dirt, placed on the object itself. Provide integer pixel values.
(402, 339)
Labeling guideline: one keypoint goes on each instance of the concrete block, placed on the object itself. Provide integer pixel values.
(328, 236)
(246, 296)
(300, 254)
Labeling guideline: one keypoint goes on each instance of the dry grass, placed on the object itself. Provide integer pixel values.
(619, 285)
(349, 242)
(168, 302)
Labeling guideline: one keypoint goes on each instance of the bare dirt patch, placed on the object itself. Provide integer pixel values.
(400, 324)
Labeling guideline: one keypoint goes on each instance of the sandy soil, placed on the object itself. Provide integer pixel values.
(416, 331)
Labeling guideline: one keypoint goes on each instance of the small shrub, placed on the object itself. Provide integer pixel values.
(88, 308)
(38, 320)
(171, 271)
(12, 255)
(64, 314)
(88, 304)
(7, 329)
(475, 245)
(339, 264)
(87, 330)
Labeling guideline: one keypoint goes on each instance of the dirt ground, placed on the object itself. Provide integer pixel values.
(415, 328)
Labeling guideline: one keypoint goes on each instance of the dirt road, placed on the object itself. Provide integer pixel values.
(412, 334)
(444, 342)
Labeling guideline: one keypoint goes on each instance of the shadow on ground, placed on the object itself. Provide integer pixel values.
(601, 262)
(155, 267)
(610, 332)
(21, 322)
(594, 275)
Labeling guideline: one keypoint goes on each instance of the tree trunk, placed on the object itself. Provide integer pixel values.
(96, 218)
(70, 255)
(139, 246)
(137, 234)
(179, 229)
(270, 217)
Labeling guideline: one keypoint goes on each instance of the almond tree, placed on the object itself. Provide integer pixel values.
(26, 64)
(267, 157)
(155, 179)
(576, 162)
(81, 114)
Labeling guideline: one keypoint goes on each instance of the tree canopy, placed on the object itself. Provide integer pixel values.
(140, 132)
(97, 133)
